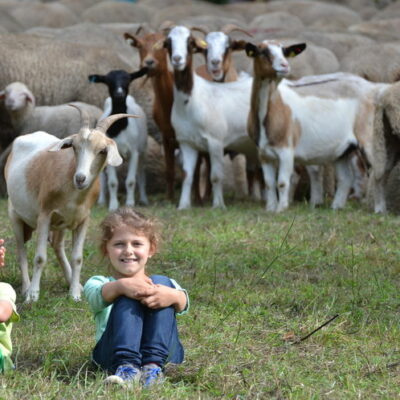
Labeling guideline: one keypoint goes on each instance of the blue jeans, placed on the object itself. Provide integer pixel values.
(139, 335)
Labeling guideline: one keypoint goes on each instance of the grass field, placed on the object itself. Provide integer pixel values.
(258, 284)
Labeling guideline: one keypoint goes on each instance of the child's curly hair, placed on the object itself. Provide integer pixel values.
(134, 220)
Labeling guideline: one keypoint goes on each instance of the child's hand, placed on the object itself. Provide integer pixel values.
(163, 296)
(2, 253)
(137, 288)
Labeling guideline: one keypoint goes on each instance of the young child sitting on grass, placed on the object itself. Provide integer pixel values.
(135, 315)
(8, 315)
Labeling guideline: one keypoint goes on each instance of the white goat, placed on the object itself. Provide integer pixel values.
(207, 116)
(129, 134)
(52, 185)
(314, 120)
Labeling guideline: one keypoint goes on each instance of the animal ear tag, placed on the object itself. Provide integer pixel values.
(251, 50)
(203, 44)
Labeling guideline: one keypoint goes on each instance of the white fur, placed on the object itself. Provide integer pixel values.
(132, 145)
(59, 120)
(326, 129)
(58, 209)
(212, 118)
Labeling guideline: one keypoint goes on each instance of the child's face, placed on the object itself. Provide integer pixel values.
(128, 252)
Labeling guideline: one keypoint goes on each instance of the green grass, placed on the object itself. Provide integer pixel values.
(257, 282)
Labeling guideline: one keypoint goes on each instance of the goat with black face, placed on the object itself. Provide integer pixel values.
(129, 134)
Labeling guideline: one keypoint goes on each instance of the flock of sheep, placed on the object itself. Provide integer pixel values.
(278, 89)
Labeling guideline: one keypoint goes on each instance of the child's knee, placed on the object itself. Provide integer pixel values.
(161, 280)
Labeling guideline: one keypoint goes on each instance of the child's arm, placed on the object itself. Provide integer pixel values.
(134, 288)
(6, 310)
(164, 296)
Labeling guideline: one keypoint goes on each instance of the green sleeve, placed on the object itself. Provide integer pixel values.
(178, 287)
(93, 293)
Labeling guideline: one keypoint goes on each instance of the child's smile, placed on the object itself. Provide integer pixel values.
(128, 252)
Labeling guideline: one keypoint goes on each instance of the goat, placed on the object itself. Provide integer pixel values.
(155, 58)
(207, 116)
(129, 134)
(52, 185)
(219, 66)
(314, 120)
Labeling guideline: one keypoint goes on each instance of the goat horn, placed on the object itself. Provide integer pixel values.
(228, 28)
(166, 26)
(140, 28)
(104, 124)
(85, 117)
(199, 29)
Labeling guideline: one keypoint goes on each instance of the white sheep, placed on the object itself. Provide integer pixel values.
(52, 185)
(59, 120)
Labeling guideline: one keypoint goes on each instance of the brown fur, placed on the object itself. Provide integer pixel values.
(253, 121)
(52, 193)
(278, 123)
(154, 56)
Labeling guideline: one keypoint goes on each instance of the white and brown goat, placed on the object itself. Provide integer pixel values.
(312, 121)
(52, 185)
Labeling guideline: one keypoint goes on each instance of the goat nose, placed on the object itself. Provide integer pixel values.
(177, 59)
(215, 62)
(80, 178)
(149, 63)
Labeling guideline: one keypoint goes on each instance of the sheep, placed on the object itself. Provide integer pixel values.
(371, 62)
(61, 120)
(106, 11)
(52, 185)
(130, 136)
(384, 30)
(180, 12)
(386, 145)
(207, 116)
(297, 121)
(39, 14)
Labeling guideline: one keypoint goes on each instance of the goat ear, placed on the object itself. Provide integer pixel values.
(251, 50)
(113, 157)
(138, 74)
(131, 39)
(62, 144)
(294, 50)
(238, 45)
(96, 78)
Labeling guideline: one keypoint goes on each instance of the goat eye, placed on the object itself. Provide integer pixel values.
(103, 151)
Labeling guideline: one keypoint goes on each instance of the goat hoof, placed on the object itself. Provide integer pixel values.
(31, 297)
